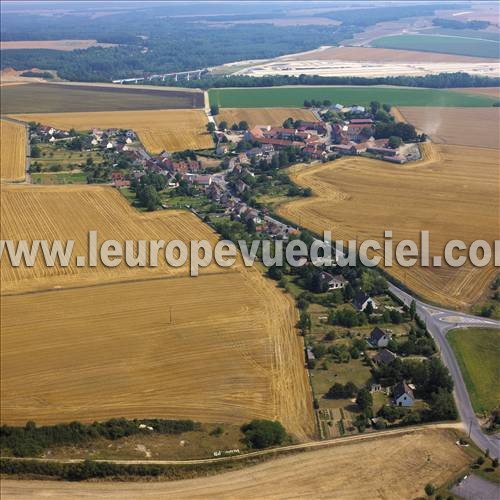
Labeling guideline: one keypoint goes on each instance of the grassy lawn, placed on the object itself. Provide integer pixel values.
(66, 159)
(295, 96)
(478, 354)
(444, 44)
(354, 371)
(59, 178)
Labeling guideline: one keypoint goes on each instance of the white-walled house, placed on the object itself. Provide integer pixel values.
(379, 338)
(402, 394)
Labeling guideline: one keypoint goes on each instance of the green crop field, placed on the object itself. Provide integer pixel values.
(295, 96)
(482, 35)
(478, 354)
(444, 44)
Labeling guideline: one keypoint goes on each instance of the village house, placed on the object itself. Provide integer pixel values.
(181, 167)
(240, 186)
(310, 357)
(379, 338)
(361, 301)
(118, 180)
(344, 149)
(334, 282)
(402, 394)
(222, 148)
(279, 137)
(384, 357)
(201, 180)
(358, 109)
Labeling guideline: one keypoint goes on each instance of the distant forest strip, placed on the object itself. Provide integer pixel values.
(439, 81)
(151, 41)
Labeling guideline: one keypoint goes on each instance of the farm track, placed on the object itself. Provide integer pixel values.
(310, 445)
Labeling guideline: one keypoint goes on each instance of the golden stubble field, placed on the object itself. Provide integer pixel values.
(392, 467)
(158, 130)
(12, 151)
(64, 45)
(80, 344)
(69, 212)
(477, 127)
(453, 193)
(263, 116)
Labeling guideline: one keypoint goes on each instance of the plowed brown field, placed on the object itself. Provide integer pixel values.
(479, 127)
(12, 151)
(371, 54)
(453, 193)
(263, 116)
(488, 91)
(158, 130)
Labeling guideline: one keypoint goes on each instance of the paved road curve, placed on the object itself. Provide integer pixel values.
(439, 321)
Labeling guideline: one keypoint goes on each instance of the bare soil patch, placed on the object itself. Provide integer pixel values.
(64, 45)
(263, 116)
(478, 127)
(370, 54)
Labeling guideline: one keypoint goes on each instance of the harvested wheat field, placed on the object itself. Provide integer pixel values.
(12, 151)
(158, 130)
(360, 197)
(161, 348)
(263, 116)
(372, 54)
(343, 472)
(90, 343)
(64, 45)
(477, 127)
(31, 212)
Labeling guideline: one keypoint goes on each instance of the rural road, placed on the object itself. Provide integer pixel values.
(439, 321)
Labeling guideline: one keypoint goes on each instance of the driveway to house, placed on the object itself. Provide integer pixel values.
(439, 321)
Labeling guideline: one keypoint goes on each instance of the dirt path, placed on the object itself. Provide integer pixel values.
(350, 471)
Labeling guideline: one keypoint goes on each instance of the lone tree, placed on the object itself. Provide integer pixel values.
(214, 109)
(211, 127)
(430, 489)
(413, 309)
(264, 433)
(395, 141)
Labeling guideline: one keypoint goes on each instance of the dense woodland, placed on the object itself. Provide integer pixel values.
(152, 40)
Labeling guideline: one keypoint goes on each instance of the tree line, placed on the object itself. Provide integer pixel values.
(32, 440)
